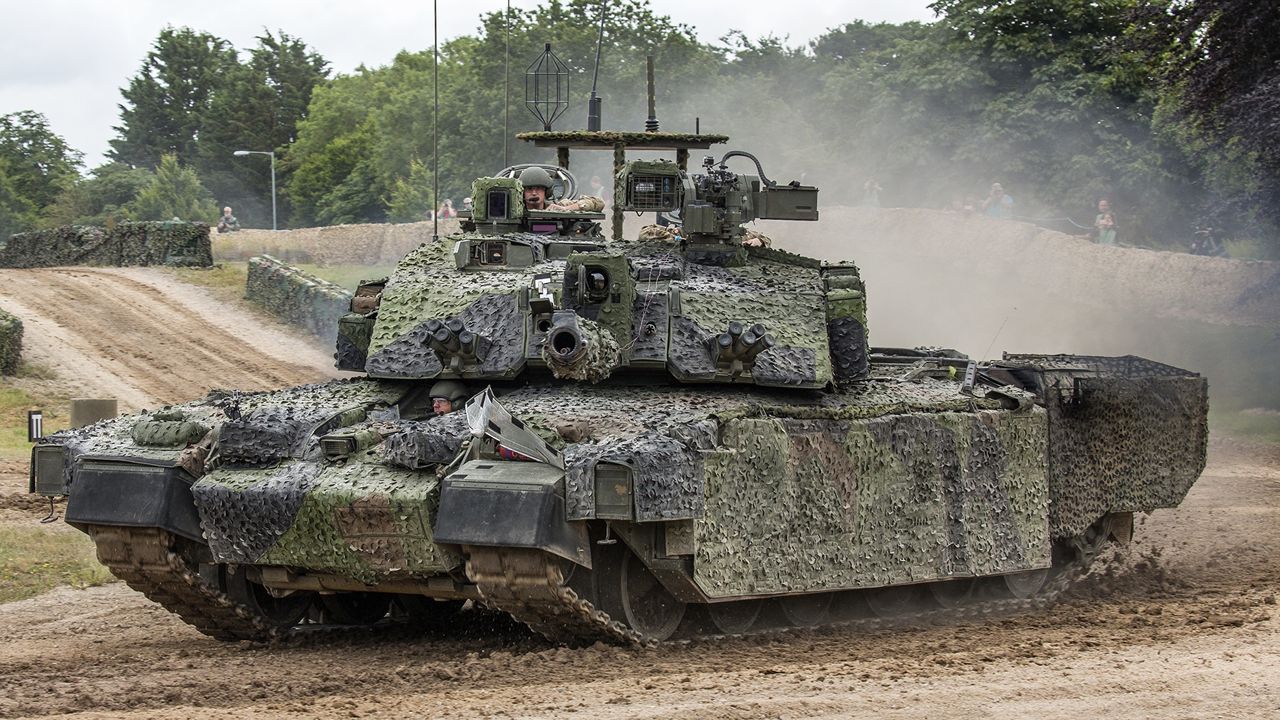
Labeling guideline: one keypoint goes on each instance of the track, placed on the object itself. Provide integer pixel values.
(529, 585)
(141, 336)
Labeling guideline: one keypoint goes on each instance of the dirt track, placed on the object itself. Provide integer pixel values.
(1184, 626)
(141, 336)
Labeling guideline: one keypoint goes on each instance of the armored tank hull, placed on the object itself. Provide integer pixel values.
(685, 432)
(628, 513)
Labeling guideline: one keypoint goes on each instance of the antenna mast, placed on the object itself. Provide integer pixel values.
(506, 95)
(593, 104)
(435, 120)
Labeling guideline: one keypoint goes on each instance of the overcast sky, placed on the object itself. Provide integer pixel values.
(68, 59)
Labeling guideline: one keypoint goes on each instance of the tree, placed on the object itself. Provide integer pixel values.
(99, 198)
(258, 108)
(1225, 78)
(411, 199)
(17, 213)
(174, 192)
(166, 102)
(386, 114)
(39, 162)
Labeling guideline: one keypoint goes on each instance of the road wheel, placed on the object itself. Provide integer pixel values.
(734, 618)
(806, 610)
(282, 610)
(952, 594)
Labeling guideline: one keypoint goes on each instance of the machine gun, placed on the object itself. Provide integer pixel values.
(712, 206)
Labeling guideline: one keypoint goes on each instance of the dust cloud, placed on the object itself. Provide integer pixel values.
(984, 286)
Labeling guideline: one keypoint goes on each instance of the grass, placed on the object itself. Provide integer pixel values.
(1251, 249)
(21, 393)
(35, 558)
(226, 280)
(348, 276)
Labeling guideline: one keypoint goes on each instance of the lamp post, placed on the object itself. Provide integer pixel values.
(272, 153)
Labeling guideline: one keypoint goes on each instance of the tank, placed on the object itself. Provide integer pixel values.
(630, 439)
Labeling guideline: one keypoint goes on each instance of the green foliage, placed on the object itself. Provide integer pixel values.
(174, 192)
(99, 199)
(257, 107)
(34, 164)
(411, 199)
(165, 103)
(17, 213)
(1166, 107)
(1223, 70)
(367, 132)
(38, 160)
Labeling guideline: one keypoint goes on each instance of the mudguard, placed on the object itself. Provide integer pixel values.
(510, 504)
(133, 495)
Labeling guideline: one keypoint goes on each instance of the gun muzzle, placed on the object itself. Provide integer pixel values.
(579, 349)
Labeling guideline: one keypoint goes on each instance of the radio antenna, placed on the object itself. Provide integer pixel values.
(506, 95)
(593, 104)
(435, 120)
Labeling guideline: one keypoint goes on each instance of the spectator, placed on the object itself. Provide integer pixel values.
(998, 203)
(598, 189)
(871, 193)
(446, 209)
(1105, 223)
(467, 204)
(228, 222)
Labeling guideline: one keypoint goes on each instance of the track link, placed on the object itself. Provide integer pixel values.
(149, 561)
(530, 586)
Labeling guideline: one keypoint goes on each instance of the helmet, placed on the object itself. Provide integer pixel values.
(450, 389)
(535, 177)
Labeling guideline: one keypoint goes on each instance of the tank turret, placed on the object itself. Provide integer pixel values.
(483, 304)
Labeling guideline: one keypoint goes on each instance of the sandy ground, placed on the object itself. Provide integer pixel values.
(1183, 625)
(145, 338)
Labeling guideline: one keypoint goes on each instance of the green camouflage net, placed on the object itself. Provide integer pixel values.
(122, 244)
(10, 343)
(296, 297)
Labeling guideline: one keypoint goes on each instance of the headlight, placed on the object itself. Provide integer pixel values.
(613, 492)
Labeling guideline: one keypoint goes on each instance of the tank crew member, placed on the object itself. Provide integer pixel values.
(537, 188)
(447, 396)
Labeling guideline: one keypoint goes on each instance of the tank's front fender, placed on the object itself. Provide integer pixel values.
(107, 491)
(510, 504)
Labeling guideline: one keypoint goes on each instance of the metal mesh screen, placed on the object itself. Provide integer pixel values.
(653, 192)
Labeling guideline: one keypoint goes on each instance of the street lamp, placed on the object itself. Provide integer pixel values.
(272, 153)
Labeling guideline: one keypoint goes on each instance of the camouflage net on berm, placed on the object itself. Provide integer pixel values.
(126, 243)
(296, 297)
(10, 343)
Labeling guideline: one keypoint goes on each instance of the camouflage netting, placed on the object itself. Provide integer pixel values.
(126, 243)
(295, 296)
(896, 479)
(1126, 435)
(10, 343)
(609, 137)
